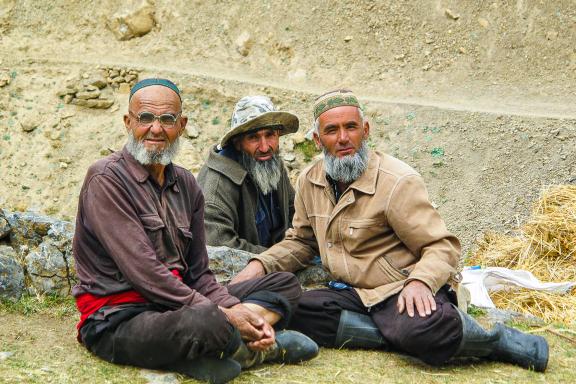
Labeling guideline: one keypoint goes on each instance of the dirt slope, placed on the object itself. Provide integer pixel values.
(478, 96)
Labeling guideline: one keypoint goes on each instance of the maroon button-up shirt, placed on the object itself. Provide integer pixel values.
(130, 232)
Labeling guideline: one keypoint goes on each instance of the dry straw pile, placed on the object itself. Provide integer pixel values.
(546, 246)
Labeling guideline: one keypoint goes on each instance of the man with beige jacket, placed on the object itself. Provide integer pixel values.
(394, 262)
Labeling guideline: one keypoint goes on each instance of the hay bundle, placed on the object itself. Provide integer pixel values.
(546, 246)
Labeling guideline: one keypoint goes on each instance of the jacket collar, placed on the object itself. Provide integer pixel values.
(366, 183)
(141, 174)
(226, 166)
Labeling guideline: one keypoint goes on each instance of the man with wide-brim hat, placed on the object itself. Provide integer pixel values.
(249, 199)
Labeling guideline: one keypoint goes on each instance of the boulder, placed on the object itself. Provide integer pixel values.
(244, 43)
(48, 270)
(11, 274)
(134, 20)
(4, 226)
(28, 229)
(227, 262)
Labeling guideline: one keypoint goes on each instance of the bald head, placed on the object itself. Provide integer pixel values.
(155, 95)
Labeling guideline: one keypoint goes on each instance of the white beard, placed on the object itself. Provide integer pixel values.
(348, 168)
(266, 174)
(149, 157)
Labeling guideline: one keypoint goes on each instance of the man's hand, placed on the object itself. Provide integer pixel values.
(258, 334)
(252, 270)
(416, 293)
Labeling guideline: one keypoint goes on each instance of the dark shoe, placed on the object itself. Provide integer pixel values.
(357, 330)
(209, 369)
(290, 347)
(502, 343)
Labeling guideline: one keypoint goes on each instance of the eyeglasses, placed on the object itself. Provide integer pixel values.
(147, 118)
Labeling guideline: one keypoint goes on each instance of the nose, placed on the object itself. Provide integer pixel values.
(263, 145)
(156, 127)
(343, 135)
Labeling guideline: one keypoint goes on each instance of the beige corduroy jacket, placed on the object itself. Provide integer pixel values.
(382, 233)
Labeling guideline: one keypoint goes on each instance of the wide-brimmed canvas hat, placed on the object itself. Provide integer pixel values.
(257, 112)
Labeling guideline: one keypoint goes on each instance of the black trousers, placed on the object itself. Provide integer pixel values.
(434, 338)
(152, 337)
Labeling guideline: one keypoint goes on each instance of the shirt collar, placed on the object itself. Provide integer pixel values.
(141, 174)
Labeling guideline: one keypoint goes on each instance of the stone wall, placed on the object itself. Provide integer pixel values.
(36, 257)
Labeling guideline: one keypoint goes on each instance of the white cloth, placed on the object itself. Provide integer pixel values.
(480, 281)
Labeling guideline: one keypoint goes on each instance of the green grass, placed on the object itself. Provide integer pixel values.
(308, 149)
(40, 332)
(51, 305)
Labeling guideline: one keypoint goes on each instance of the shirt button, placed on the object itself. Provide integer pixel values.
(349, 199)
(329, 245)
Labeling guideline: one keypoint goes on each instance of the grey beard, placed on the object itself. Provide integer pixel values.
(266, 174)
(149, 157)
(348, 168)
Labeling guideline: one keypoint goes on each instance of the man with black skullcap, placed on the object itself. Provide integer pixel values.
(146, 294)
(395, 263)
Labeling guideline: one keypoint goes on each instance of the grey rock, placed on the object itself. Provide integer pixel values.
(4, 226)
(159, 378)
(289, 157)
(244, 43)
(227, 262)
(5, 78)
(313, 276)
(495, 315)
(97, 81)
(99, 103)
(86, 95)
(70, 90)
(192, 131)
(134, 20)
(80, 102)
(48, 270)
(5, 354)
(29, 122)
(11, 274)
(28, 229)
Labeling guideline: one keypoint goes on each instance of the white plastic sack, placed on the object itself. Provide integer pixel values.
(480, 281)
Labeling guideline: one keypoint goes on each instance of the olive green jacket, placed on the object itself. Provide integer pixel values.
(382, 233)
(231, 202)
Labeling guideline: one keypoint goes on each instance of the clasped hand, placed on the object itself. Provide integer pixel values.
(255, 331)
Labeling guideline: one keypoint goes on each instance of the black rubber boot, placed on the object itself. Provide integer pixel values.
(291, 347)
(210, 369)
(502, 343)
(357, 330)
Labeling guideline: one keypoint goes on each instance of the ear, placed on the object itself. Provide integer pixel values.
(317, 140)
(366, 129)
(127, 122)
(183, 122)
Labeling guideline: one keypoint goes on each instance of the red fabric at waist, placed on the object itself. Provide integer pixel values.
(88, 303)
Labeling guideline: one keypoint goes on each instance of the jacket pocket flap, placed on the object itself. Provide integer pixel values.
(151, 222)
(185, 232)
(368, 223)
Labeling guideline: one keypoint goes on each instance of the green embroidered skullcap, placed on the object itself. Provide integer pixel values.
(154, 81)
(333, 99)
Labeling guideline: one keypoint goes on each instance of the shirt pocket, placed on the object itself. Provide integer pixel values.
(184, 242)
(154, 227)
